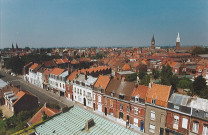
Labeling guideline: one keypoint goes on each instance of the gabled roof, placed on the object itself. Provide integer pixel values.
(57, 71)
(119, 87)
(38, 116)
(62, 61)
(47, 71)
(50, 63)
(34, 66)
(159, 92)
(141, 91)
(72, 76)
(20, 95)
(126, 67)
(102, 81)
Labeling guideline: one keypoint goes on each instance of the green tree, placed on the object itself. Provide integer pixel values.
(131, 77)
(174, 82)
(198, 50)
(184, 83)
(145, 80)
(199, 85)
(142, 74)
(166, 75)
(44, 117)
(155, 74)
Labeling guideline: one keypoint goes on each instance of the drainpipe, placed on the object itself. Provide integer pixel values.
(190, 121)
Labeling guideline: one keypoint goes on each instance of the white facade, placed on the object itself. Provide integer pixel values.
(32, 77)
(57, 82)
(39, 81)
(82, 90)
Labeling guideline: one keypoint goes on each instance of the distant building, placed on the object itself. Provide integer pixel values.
(178, 42)
(153, 43)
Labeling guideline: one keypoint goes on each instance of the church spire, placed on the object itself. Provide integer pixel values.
(153, 42)
(153, 39)
(178, 38)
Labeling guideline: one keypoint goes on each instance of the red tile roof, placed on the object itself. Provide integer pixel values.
(20, 95)
(141, 91)
(38, 116)
(61, 61)
(57, 71)
(126, 67)
(159, 92)
(72, 75)
(47, 71)
(102, 82)
(34, 66)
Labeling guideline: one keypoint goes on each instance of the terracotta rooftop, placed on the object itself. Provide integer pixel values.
(102, 82)
(20, 95)
(72, 76)
(47, 71)
(126, 67)
(159, 92)
(34, 66)
(141, 91)
(38, 116)
(61, 61)
(57, 71)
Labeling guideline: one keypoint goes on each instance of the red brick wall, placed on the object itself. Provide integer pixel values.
(69, 90)
(201, 123)
(140, 116)
(170, 122)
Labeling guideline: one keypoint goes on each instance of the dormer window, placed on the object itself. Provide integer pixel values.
(112, 94)
(121, 96)
(154, 101)
(137, 98)
(176, 107)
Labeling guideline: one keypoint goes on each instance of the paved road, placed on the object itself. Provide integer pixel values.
(42, 94)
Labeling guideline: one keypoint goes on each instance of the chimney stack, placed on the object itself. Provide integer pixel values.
(150, 85)
(86, 76)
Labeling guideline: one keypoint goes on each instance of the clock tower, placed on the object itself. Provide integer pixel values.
(153, 43)
(178, 42)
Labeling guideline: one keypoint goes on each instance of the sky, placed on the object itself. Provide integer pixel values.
(102, 23)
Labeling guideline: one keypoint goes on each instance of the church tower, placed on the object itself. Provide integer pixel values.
(178, 42)
(153, 43)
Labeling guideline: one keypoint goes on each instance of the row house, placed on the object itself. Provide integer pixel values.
(156, 103)
(202, 70)
(82, 90)
(39, 75)
(21, 101)
(199, 116)
(178, 115)
(57, 80)
(31, 76)
(98, 92)
(137, 106)
(117, 101)
(45, 77)
(69, 85)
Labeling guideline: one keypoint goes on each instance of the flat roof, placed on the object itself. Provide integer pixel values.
(73, 122)
(125, 72)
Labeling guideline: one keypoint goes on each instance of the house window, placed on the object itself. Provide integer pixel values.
(83, 93)
(74, 90)
(60, 85)
(154, 101)
(89, 103)
(112, 94)
(205, 130)
(137, 98)
(176, 107)
(63, 86)
(77, 91)
(120, 115)
(111, 103)
(152, 128)
(80, 92)
(105, 101)
(184, 123)
(121, 106)
(152, 115)
(195, 127)
(99, 98)
(136, 122)
(176, 121)
(127, 108)
(135, 110)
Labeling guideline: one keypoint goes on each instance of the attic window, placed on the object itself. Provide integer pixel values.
(112, 94)
(121, 96)
(206, 115)
(154, 101)
(176, 107)
(133, 99)
(137, 98)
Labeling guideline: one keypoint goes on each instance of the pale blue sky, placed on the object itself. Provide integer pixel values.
(66, 23)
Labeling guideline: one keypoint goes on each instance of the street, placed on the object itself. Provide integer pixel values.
(43, 95)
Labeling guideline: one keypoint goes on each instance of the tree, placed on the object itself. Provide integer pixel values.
(142, 74)
(166, 75)
(174, 82)
(156, 74)
(131, 77)
(199, 50)
(199, 85)
(145, 80)
(184, 83)
(1, 113)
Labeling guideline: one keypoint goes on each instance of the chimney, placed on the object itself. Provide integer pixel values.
(85, 76)
(150, 85)
(90, 123)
